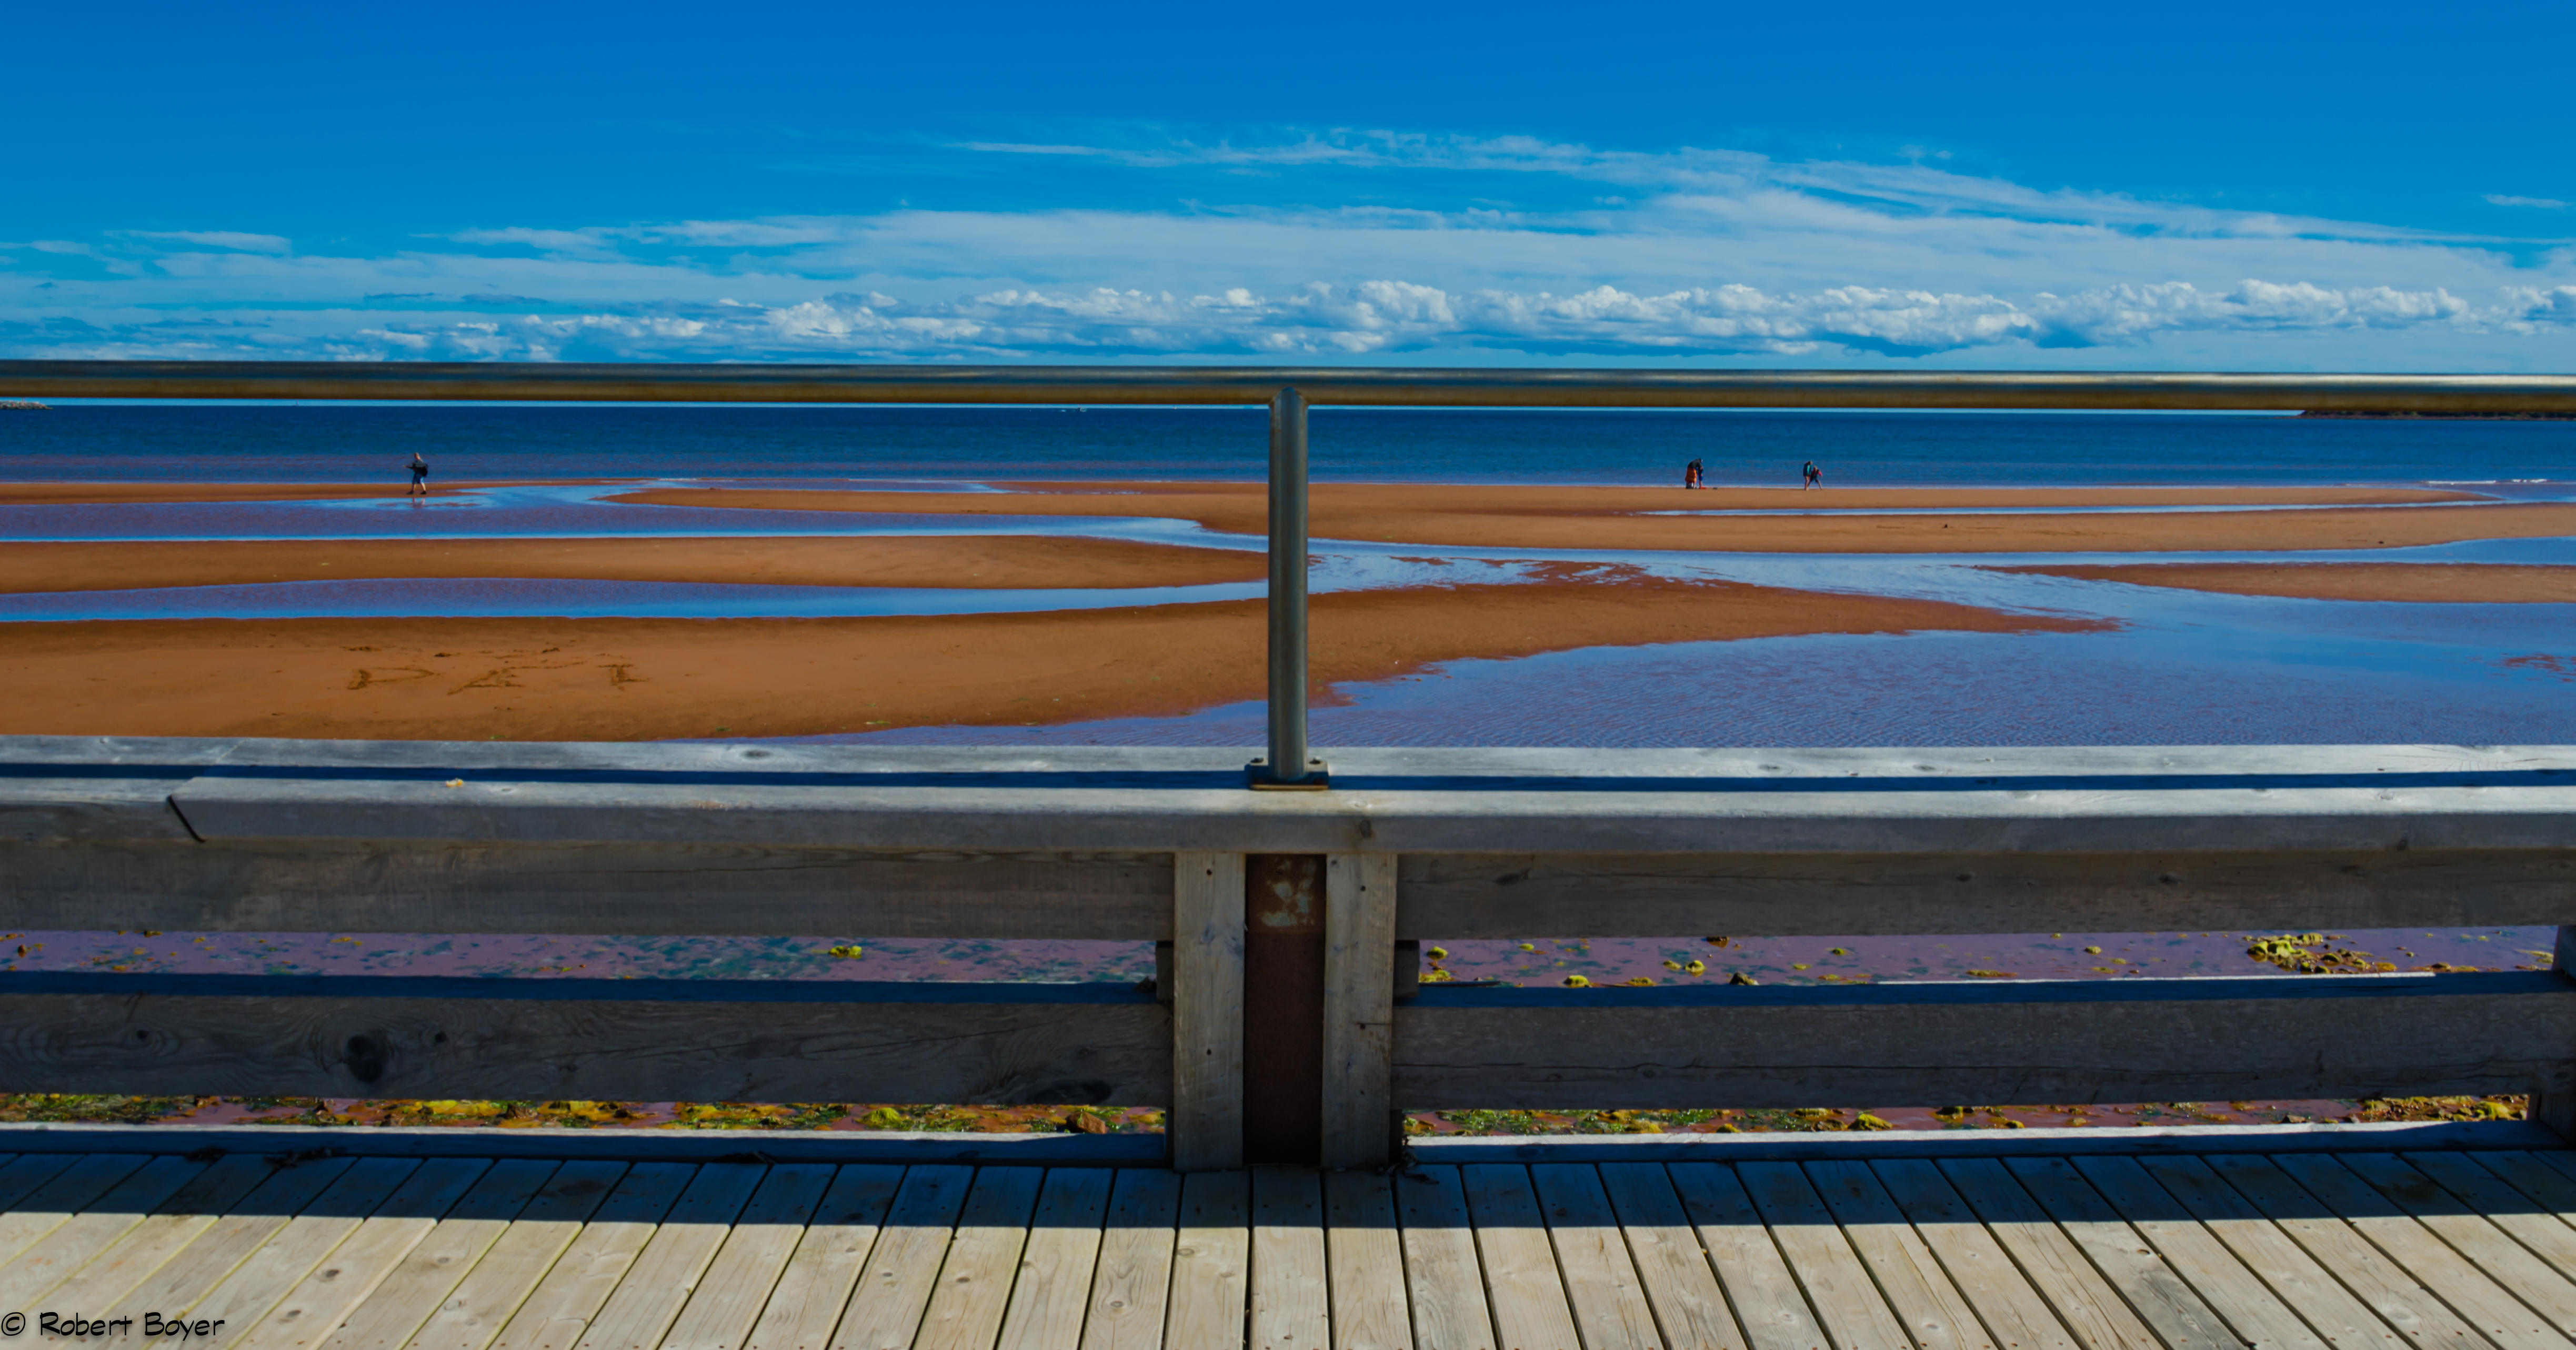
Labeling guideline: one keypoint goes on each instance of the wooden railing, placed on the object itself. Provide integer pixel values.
(1151, 845)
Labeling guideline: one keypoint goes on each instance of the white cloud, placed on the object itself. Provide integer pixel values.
(2543, 203)
(1394, 318)
(1701, 255)
(228, 239)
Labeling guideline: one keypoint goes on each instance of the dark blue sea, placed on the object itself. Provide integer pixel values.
(360, 442)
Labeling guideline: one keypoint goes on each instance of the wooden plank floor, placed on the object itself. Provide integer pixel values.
(2389, 1251)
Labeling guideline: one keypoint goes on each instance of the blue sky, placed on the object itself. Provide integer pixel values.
(2173, 186)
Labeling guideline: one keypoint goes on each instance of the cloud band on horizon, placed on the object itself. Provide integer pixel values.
(1696, 255)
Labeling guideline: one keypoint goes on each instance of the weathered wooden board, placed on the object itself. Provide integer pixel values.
(2072, 1041)
(1131, 1283)
(2511, 1317)
(1063, 1255)
(420, 1283)
(1775, 1312)
(350, 1272)
(554, 1311)
(1522, 1282)
(171, 883)
(734, 1291)
(24, 1222)
(2108, 1301)
(51, 1140)
(262, 1275)
(1665, 895)
(1359, 1007)
(169, 1230)
(1855, 1313)
(61, 788)
(1602, 1283)
(2344, 1257)
(1211, 1263)
(474, 1312)
(2213, 799)
(902, 1272)
(2184, 1208)
(625, 1040)
(2181, 1250)
(1901, 1265)
(1443, 1271)
(1291, 1300)
(1206, 1018)
(1364, 1251)
(974, 1289)
(641, 888)
(69, 1245)
(806, 1301)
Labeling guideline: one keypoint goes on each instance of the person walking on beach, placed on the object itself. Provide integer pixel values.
(1815, 476)
(1690, 475)
(419, 476)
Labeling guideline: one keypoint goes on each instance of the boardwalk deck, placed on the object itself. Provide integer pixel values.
(2464, 1249)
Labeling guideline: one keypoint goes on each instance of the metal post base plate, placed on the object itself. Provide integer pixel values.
(1257, 776)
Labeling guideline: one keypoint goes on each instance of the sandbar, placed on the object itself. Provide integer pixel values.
(2439, 583)
(648, 679)
(1624, 518)
(1009, 562)
(114, 494)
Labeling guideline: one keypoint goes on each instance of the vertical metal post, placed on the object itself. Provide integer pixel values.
(1289, 764)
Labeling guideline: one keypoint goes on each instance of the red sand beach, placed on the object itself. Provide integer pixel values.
(1602, 518)
(551, 678)
(644, 679)
(2455, 583)
(946, 562)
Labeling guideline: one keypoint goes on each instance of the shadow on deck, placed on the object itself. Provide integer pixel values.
(1860, 1245)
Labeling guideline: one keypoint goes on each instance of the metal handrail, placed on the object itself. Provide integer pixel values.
(647, 382)
(1288, 391)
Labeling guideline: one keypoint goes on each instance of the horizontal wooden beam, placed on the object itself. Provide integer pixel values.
(706, 889)
(419, 886)
(2037, 1142)
(1978, 1043)
(1474, 895)
(56, 788)
(1128, 1149)
(580, 1039)
(2165, 800)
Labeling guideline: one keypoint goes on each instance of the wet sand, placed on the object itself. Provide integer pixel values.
(1249, 495)
(1010, 562)
(2439, 583)
(109, 494)
(647, 679)
(1618, 518)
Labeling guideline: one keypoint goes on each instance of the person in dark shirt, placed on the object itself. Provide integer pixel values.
(1690, 474)
(419, 476)
(1815, 477)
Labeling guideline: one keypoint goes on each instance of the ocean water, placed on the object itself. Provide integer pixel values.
(359, 442)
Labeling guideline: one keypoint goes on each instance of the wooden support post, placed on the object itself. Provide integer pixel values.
(1283, 1009)
(2553, 1098)
(1205, 1125)
(1359, 1007)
